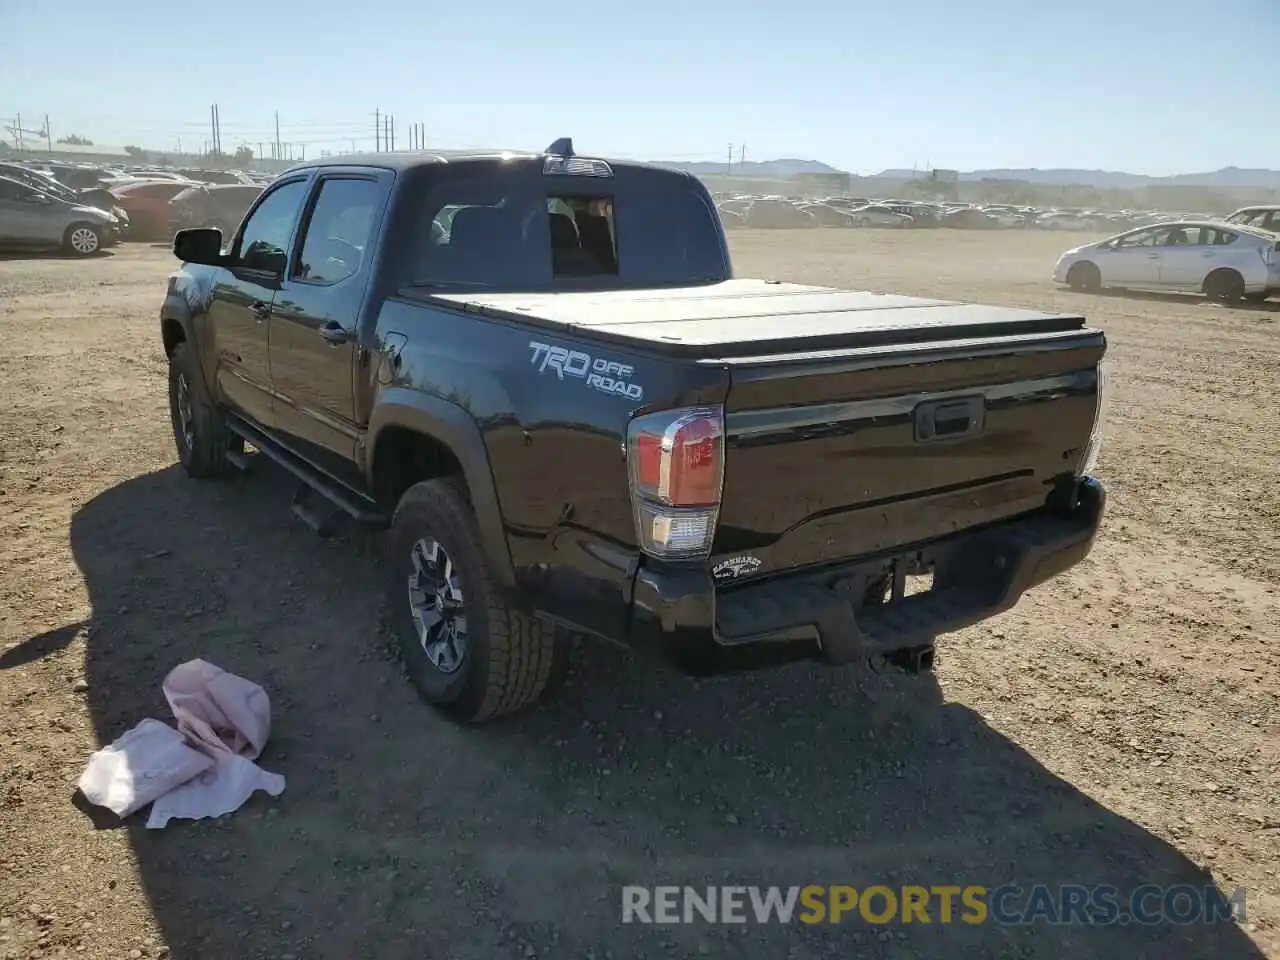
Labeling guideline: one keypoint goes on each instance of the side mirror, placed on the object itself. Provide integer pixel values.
(38, 198)
(199, 245)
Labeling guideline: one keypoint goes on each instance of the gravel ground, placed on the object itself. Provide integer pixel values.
(1120, 726)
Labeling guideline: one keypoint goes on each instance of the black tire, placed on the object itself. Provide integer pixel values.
(203, 440)
(509, 658)
(1084, 277)
(1225, 286)
(82, 240)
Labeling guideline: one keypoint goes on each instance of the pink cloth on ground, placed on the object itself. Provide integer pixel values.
(204, 768)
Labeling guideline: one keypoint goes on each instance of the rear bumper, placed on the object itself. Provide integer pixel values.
(976, 575)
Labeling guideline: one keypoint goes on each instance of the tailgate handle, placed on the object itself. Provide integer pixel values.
(945, 419)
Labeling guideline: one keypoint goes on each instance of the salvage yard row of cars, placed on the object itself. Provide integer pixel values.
(82, 210)
(777, 212)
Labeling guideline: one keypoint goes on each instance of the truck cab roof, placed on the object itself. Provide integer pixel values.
(410, 160)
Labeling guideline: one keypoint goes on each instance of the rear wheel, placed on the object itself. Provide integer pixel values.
(82, 240)
(1225, 286)
(465, 650)
(1085, 277)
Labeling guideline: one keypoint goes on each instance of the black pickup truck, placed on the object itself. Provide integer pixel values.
(540, 372)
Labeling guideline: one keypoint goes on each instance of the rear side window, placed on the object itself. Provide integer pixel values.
(14, 191)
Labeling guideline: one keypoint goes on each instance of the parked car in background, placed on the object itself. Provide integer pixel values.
(88, 196)
(876, 215)
(79, 177)
(1224, 261)
(217, 205)
(827, 215)
(775, 213)
(968, 218)
(1266, 218)
(147, 203)
(31, 219)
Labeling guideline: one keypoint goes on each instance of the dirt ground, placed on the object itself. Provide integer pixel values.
(1120, 726)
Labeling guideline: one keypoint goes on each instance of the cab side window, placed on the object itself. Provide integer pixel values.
(1143, 238)
(264, 239)
(338, 231)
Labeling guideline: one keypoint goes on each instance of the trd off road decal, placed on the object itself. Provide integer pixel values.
(599, 373)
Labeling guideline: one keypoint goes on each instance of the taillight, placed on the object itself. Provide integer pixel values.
(676, 468)
(1089, 461)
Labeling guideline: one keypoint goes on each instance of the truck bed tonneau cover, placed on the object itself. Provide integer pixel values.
(750, 317)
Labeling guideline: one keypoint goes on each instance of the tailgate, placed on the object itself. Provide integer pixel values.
(835, 456)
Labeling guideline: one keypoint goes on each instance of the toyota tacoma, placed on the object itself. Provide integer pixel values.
(539, 371)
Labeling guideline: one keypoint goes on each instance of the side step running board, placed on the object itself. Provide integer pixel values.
(357, 507)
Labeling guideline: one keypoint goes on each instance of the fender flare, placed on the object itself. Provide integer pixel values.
(446, 422)
(176, 309)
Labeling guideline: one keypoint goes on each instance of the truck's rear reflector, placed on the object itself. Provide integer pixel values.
(676, 467)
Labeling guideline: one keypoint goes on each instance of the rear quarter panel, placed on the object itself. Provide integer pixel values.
(554, 441)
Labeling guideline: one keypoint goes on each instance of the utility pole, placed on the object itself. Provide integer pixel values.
(742, 155)
(48, 133)
(377, 131)
(729, 169)
(277, 132)
(393, 133)
(17, 132)
(215, 131)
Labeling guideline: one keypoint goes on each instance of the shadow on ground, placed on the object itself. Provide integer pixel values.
(1266, 306)
(401, 835)
(19, 254)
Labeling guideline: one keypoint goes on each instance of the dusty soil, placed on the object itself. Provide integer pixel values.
(1120, 726)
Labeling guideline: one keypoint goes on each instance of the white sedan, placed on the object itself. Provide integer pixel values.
(1225, 261)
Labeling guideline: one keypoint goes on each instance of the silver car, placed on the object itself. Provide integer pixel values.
(32, 219)
(1224, 261)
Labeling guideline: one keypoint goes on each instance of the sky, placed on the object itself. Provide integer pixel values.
(1145, 86)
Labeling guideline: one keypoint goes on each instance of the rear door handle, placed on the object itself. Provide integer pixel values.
(335, 333)
(260, 309)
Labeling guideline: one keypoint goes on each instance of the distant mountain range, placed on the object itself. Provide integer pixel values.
(754, 169)
(1227, 177)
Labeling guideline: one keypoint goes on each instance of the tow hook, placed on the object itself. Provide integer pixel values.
(912, 660)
